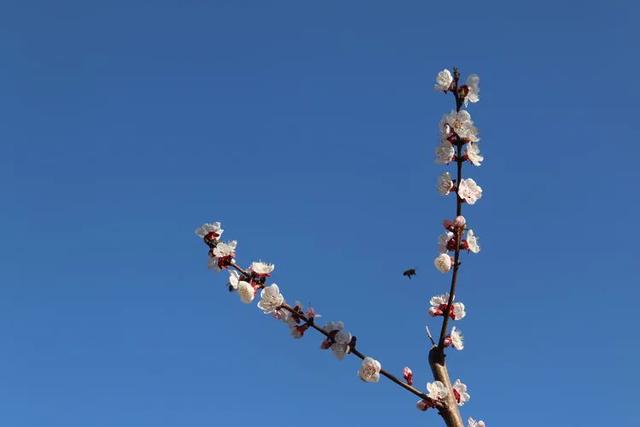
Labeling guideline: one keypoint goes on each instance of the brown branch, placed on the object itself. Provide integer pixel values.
(451, 412)
(362, 356)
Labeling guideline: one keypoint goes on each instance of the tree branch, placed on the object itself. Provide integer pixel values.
(451, 412)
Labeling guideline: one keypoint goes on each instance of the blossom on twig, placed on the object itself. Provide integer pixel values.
(445, 152)
(460, 392)
(473, 154)
(471, 243)
(454, 339)
(458, 124)
(370, 370)
(234, 279)
(261, 269)
(246, 292)
(443, 262)
(443, 80)
(222, 255)
(338, 341)
(270, 299)
(469, 191)
(473, 89)
(210, 231)
(445, 184)
(437, 390)
(439, 305)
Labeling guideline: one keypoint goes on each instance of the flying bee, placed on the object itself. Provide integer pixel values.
(409, 273)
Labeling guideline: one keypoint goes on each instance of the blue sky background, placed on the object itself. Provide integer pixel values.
(308, 128)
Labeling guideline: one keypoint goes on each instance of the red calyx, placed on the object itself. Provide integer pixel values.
(225, 261)
(212, 235)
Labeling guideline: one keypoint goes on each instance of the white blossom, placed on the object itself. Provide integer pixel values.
(223, 254)
(370, 370)
(444, 152)
(458, 311)
(472, 242)
(459, 123)
(262, 268)
(473, 154)
(270, 299)
(340, 347)
(473, 85)
(341, 339)
(437, 390)
(443, 241)
(246, 292)
(234, 279)
(445, 184)
(225, 249)
(212, 231)
(443, 262)
(443, 80)
(460, 392)
(456, 339)
(469, 191)
(473, 423)
(438, 300)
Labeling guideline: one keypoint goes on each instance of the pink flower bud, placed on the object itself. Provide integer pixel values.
(447, 224)
(408, 375)
(459, 222)
(423, 405)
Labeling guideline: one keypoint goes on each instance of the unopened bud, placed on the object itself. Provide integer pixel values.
(459, 222)
(408, 375)
(423, 405)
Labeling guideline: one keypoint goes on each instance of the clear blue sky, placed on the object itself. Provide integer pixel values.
(308, 128)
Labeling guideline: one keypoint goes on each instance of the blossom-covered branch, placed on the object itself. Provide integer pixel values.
(458, 143)
(247, 282)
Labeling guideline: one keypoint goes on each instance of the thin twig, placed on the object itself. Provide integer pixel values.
(430, 336)
(359, 355)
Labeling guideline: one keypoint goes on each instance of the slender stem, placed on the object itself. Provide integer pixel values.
(360, 355)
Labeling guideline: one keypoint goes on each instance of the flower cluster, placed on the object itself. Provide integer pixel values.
(448, 241)
(437, 393)
(439, 305)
